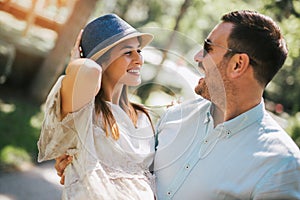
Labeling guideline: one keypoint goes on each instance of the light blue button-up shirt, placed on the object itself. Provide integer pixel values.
(248, 157)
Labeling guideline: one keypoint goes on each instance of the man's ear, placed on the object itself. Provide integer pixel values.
(238, 64)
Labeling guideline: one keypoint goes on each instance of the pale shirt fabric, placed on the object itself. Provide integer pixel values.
(102, 167)
(248, 157)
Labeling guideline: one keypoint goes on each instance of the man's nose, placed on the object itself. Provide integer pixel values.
(199, 56)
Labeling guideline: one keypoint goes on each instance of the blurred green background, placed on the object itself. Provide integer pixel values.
(36, 38)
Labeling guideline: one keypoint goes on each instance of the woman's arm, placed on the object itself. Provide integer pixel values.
(81, 82)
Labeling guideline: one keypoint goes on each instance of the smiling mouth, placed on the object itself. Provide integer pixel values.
(201, 68)
(134, 71)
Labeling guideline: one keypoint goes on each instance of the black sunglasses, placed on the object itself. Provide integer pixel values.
(207, 48)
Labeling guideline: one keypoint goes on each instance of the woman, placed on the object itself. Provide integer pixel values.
(89, 117)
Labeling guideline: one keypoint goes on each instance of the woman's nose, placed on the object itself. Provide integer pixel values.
(138, 58)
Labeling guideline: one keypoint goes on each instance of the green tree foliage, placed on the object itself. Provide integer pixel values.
(285, 86)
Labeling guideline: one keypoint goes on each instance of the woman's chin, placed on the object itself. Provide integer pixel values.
(134, 83)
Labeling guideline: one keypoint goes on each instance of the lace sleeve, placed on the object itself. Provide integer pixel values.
(58, 136)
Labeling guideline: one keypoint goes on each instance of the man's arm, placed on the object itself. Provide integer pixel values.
(281, 182)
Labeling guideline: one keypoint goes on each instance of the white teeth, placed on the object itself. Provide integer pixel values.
(134, 71)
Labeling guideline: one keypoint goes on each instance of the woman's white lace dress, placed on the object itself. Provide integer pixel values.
(102, 168)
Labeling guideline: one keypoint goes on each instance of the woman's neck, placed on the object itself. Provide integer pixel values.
(113, 94)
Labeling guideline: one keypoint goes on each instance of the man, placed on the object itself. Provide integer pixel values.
(229, 147)
(225, 145)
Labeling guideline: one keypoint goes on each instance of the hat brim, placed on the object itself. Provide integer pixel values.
(146, 38)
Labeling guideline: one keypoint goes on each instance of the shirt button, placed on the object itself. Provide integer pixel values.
(187, 166)
(228, 133)
(169, 193)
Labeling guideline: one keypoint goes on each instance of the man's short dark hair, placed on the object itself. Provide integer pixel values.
(259, 37)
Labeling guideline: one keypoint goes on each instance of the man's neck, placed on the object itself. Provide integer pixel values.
(218, 115)
(232, 111)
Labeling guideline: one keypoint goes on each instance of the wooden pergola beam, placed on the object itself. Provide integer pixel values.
(22, 14)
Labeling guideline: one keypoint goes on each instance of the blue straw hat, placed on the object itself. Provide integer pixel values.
(107, 31)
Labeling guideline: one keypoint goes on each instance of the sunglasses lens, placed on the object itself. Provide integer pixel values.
(205, 48)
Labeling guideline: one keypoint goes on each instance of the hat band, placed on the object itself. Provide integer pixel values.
(111, 40)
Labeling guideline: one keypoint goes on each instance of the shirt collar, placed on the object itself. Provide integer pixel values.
(208, 116)
(240, 122)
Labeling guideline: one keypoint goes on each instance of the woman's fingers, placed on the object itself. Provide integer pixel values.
(62, 180)
(76, 51)
(61, 163)
(77, 43)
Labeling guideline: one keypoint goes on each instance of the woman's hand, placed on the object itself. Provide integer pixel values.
(75, 54)
(81, 83)
(60, 165)
(76, 51)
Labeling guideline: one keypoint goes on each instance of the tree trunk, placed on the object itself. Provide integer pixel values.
(185, 5)
(55, 62)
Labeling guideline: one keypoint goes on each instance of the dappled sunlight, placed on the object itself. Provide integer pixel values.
(57, 11)
(6, 107)
(40, 182)
(20, 128)
(15, 156)
(32, 25)
(49, 175)
(158, 98)
(40, 40)
(6, 197)
(36, 120)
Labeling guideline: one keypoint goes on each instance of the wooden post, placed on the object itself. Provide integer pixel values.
(30, 17)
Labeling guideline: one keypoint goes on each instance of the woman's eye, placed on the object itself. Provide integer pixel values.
(130, 52)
